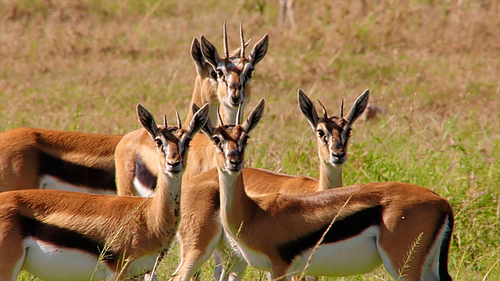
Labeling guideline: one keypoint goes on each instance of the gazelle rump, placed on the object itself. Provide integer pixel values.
(135, 175)
(406, 227)
(59, 235)
(200, 231)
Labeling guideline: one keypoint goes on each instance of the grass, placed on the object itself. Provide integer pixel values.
(434, 66)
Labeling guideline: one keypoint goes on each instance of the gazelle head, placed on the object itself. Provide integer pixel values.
(234, 72)
(230, 140)
(172, 142)
(332, 132)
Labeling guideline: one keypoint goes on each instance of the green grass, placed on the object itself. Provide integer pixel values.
(84, 65)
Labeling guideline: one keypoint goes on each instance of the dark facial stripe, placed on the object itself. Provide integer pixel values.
(342, 229)
(144, 175)
(65, 238)
(77, 174)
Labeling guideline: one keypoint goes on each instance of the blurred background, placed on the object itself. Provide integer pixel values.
(433, 68)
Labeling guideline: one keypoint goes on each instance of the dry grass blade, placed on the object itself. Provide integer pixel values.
(316, 247)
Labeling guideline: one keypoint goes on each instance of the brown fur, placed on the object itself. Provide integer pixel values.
(407, 211)
(21, 148)
(144, 225)
(199, 239)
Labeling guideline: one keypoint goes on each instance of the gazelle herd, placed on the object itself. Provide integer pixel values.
(197, 189)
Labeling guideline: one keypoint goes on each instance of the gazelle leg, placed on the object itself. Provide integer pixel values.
(12, 253)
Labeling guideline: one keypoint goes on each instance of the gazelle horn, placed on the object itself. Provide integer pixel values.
(219, 117)
(165, 120)
(325, 114)
(238, 115)
(242, 51)
(342, 108)
(224, 39)
(179, 124)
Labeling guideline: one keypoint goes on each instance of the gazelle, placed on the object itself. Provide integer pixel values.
(201, 233)
(60, 235)
(406, 227)
(135, 175)
(33, 158)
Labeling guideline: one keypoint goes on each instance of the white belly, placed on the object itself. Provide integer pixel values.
(356, 255)
(50, 262)
(143, 190)
(49, 182)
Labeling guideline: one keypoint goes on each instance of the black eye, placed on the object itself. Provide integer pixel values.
(249, 73)
(216, 139)
(244, 140)
(321, 133)
(158, 142)
(219, 73)
(213, 74)
(187, 142)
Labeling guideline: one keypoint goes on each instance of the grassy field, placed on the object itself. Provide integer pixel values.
(433, 65)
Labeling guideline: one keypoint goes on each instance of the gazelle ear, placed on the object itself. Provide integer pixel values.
(210, 53)
(259, 50)
(197, 56)
(199, 120)
(308, 109)
(358, 107)
(147, 120)
(254, 116)
(207, 129)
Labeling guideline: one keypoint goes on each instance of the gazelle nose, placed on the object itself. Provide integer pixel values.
(236, 85)
(339, 155)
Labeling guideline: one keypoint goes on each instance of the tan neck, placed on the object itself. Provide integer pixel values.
(201, 96)
(235, 203)
(329, 176)
(163, 213)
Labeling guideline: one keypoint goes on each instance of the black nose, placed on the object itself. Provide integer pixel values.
(339, 155)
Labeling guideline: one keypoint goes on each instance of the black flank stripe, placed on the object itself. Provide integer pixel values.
(77, 174)
(65, 238)
(144, 175)
(342, 229)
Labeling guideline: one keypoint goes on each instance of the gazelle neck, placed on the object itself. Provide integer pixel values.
(228, 113)
(330, 176)
(233, 200)
(164, 206)
(204, 92)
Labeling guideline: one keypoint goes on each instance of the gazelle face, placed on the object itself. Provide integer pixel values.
(332, 148)
(233, 76)
(172, 143)
(230, 143)
(333, 132)
(230, 140)
(234, 71)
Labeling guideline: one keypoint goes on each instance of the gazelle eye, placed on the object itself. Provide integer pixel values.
(320, 133)
(213, 74)
(216, 139)
(158, 142)
(249, 73)
(219, 73)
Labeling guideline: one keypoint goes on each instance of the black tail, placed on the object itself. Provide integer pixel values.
(445, 246)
